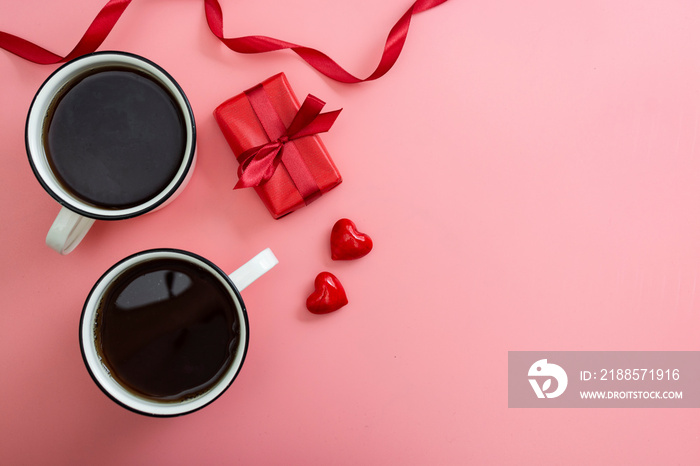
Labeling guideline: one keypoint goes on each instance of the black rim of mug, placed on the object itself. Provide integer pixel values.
(164, 198)
(199, 258)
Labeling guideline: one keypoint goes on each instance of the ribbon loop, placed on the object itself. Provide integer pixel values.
(309, 120)
(259, 164)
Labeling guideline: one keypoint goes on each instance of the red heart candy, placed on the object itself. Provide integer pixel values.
(328, 295)
(347, 243)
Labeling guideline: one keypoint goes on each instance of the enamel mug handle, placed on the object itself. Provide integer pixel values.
(68, 230)
(253, 269)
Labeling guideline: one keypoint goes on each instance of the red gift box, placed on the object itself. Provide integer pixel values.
(265, 119)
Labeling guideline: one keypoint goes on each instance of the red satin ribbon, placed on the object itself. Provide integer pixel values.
(110, 13)
(258, 164)
(93, 37)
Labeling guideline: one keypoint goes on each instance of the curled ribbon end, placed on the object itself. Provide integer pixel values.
(244, 182)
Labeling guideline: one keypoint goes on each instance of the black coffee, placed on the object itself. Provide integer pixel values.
(167, 329)
(115, 138)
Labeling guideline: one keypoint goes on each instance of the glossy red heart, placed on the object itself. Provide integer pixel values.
(328, 295)
(347, 243)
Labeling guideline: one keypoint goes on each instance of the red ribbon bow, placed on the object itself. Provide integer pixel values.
(258, 164)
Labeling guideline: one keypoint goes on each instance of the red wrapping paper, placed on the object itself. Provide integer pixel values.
(243, 130)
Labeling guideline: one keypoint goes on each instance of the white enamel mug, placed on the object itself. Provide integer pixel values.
(76, 215)
(233, 284)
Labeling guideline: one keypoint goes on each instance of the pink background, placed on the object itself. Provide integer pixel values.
(528, 172)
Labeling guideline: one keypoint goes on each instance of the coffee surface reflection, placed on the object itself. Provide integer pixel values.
(167, 329)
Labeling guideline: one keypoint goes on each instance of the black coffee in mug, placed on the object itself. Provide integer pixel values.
(165, 332)
(109, 135)
(167, 329)
(114, 137)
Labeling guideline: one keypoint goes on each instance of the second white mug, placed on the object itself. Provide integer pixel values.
(164, 332)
